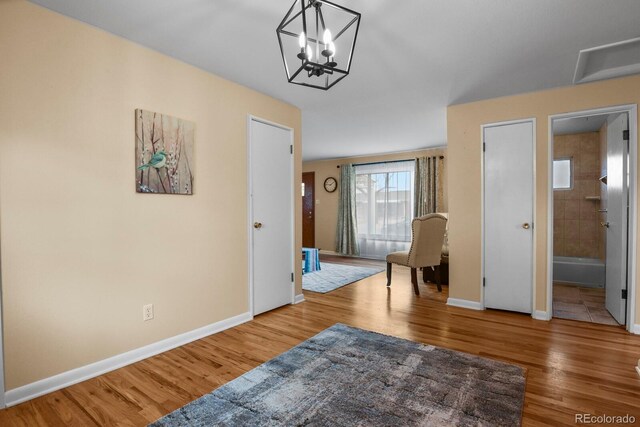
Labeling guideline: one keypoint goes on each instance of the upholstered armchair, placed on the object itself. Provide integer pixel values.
(427, 238)
(441, 273)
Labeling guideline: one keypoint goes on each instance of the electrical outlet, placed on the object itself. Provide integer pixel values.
(147, 312)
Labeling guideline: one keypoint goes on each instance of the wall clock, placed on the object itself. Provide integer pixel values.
(330, 184)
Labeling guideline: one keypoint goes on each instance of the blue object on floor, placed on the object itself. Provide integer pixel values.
(334, 276)
(311, 260)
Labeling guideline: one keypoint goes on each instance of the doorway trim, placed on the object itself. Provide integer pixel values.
(632, 112)
(3, 398)
(533, 121)
(252, 118)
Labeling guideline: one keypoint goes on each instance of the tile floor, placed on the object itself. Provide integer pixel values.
(578, 303)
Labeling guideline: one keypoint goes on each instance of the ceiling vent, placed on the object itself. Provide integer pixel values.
(608, 61)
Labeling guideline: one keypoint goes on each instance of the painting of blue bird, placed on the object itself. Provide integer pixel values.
(157, 161)
(164, 154)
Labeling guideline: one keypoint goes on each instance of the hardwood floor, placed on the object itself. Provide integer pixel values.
(572, 367)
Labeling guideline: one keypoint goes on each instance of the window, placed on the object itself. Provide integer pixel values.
(384, 207)
(562, 178)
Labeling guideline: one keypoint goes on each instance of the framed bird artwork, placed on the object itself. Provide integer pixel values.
(164, 154)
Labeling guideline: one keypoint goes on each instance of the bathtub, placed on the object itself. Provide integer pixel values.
(583, 271)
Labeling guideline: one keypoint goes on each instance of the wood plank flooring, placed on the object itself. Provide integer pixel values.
(573, 367)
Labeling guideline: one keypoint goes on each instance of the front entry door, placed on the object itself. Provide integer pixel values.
(617, 204)
(271, 178)
(308, 210)
(508, 215)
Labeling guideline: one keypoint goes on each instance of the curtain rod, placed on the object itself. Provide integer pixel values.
(387, 161)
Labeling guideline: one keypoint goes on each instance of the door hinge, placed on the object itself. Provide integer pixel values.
(624, 294)
(484, 146)
(484, 282)
(291, 149)
(625, 135)
(292, 277)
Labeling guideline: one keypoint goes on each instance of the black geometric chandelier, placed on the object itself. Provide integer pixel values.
(317, 39)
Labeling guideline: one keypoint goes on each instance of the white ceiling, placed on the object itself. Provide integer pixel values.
(412, 58)
(578, 125)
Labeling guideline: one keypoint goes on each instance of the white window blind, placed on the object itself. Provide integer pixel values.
(384, 207)
(562, 174)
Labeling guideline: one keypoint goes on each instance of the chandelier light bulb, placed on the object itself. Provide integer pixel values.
(302, 40)
(332, 48)
(309, 53)
(327, 37)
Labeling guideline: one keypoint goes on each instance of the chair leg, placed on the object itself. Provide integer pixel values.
(388, 274)
(439, 278)
(414, 281)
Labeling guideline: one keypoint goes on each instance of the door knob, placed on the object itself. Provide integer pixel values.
(257, 225)
(526, 226)
(605, 224)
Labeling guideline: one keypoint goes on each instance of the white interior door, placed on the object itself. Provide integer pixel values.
(271, 170)
(508, 215)
(617, 204)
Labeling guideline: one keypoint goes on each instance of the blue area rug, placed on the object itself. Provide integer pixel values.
(346, 376)
(334, 276)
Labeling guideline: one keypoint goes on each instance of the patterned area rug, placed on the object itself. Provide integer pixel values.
(346, 376)
(334, 276)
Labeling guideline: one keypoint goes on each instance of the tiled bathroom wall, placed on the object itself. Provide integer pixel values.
(576, 221)
(602, 217)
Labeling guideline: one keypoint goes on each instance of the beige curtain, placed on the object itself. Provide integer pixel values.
(428, 185)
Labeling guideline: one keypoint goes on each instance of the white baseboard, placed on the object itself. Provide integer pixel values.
(298, 299)
(463, 303)
(74, 376)
(635, 329)
(328, 252)
(541, 315)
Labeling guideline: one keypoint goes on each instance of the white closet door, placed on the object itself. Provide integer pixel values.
(272, 215)
(508, 215)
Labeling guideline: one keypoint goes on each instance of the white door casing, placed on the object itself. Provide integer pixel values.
(632, 115)
(271, 216)
(508, 216)
(616, 223)
(3, 402)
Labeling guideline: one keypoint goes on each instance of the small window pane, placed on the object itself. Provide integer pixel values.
(562, 174)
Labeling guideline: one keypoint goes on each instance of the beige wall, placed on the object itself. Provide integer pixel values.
(81, 250)
(327, 203)
(576, 221)
(464, 153)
